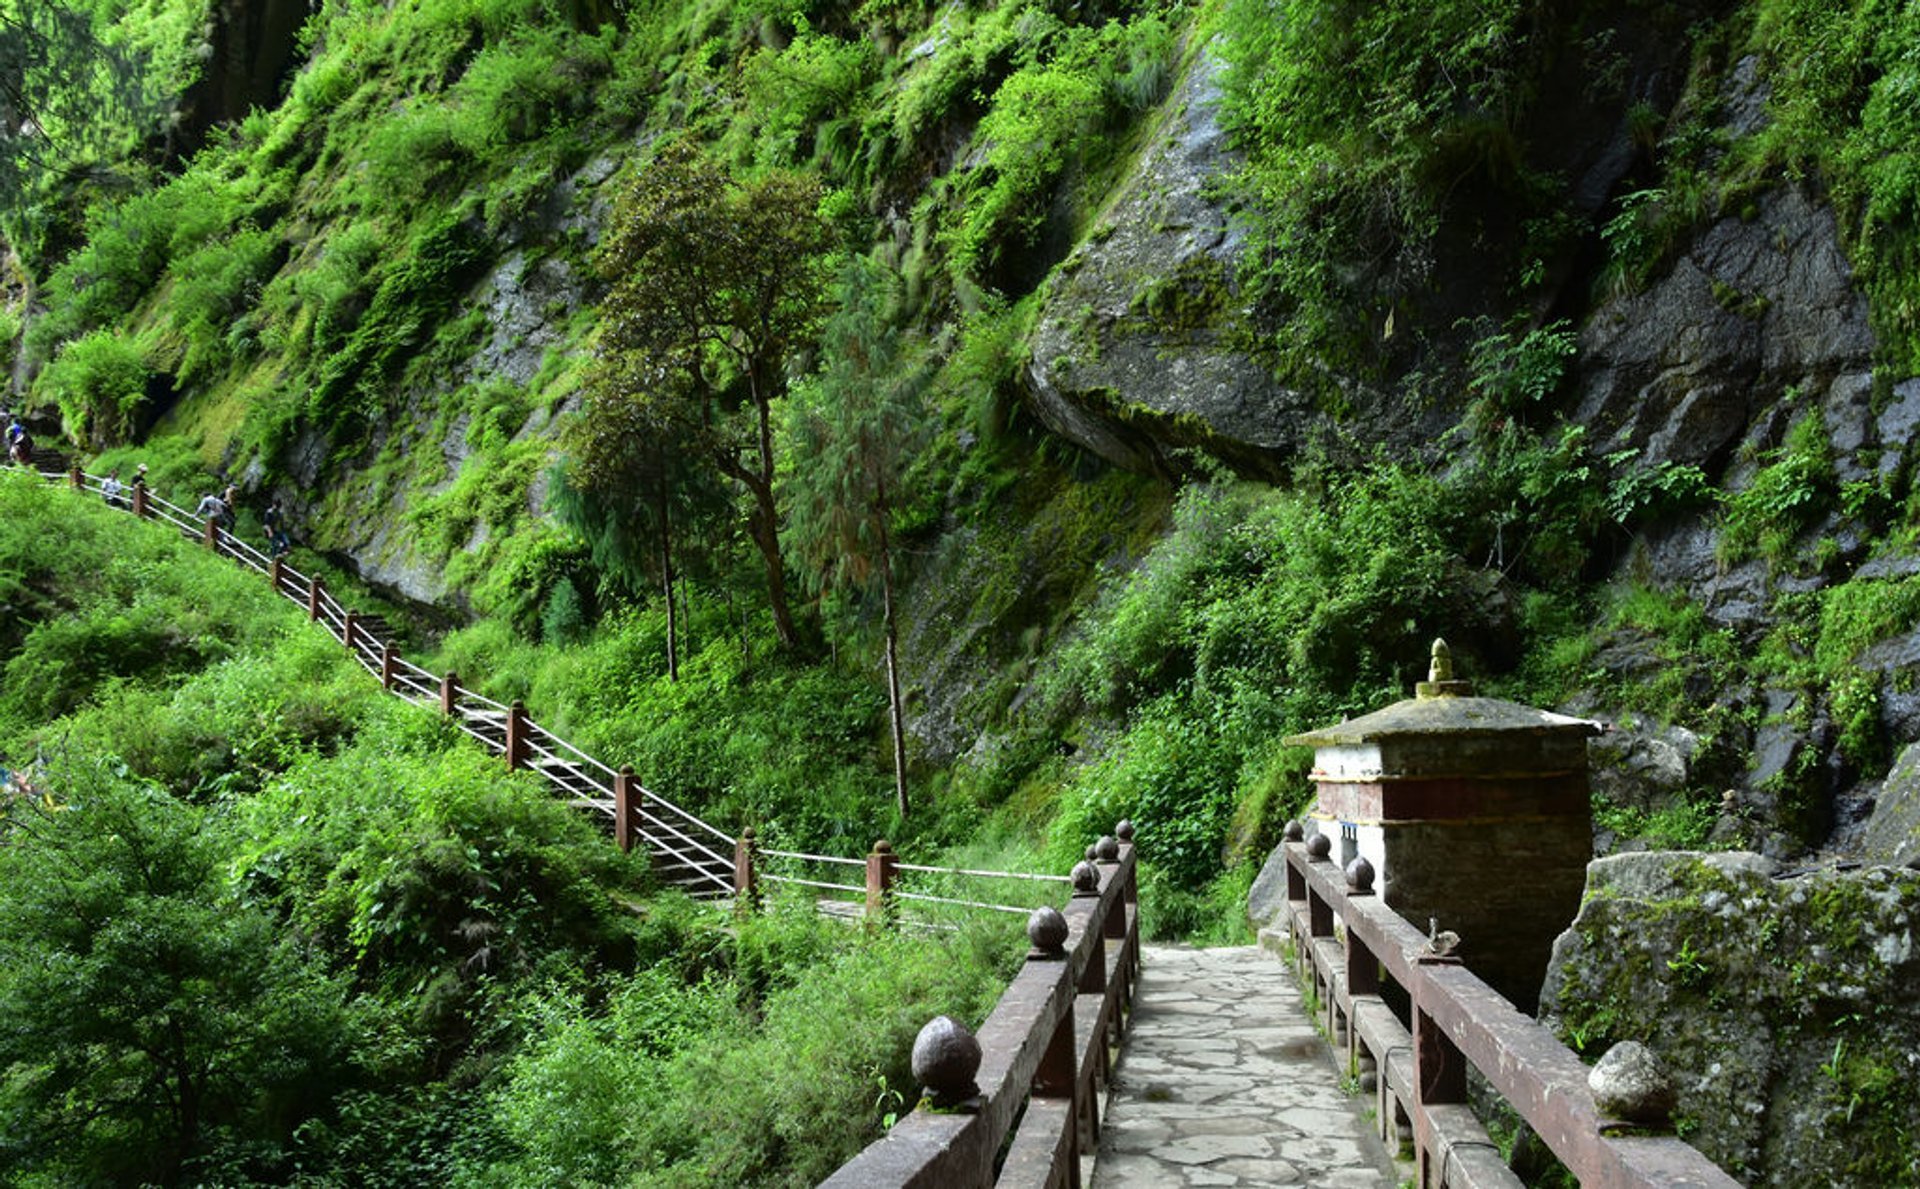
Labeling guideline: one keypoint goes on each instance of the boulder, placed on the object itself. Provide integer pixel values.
(1642, 766)
(1141, 343)
(1786, 1011)
(1629, 1084)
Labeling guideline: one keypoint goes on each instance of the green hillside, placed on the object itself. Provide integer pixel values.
(965, 424)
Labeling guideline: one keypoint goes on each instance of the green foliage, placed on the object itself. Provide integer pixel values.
(116, 601)
(804, 99)
(153, 1015)
(716, 281)
(1842, 83)
(1795, 484)
(1642, 495)
(416, 290)
(1347, 110)
(676, 1082)
(129, 244)
(1636, 237)
(228, 729)
(1046, 118)
(92, 86)
(99, 382)
(1684, 825)
(214, 291)
(851, 431)
(1512, 372)
(429, 870)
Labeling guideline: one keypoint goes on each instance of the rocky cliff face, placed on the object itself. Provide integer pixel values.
(1141, 348)
(1783, 1006)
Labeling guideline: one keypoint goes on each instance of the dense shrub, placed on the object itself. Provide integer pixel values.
(99, 381)
(677, 1083)
(153, 1015)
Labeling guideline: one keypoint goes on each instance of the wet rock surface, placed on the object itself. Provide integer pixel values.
(1683, 370)
(1892, 835)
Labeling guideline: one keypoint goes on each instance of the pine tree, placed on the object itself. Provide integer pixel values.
(852, 429)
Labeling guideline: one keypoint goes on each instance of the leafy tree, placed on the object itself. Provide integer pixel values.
(147, 1015)
(853, 429)
(634, 490)
(73, 105)
(716, 280)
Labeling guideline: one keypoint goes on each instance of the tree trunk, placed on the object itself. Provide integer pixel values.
(765, 522)
(666, 582)
(893, 656)
(763, 529)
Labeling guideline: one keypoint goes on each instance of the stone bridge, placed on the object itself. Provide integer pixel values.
(1360, 1043)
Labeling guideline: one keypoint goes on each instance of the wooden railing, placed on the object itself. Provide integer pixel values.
(1027, 1107)
(685, 851)
(1415, 1020)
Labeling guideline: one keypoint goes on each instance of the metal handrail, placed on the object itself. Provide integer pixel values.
(790, 854)
(961, 903)
(815, 883)
(579, 757)
(984, 874)
(689, 839)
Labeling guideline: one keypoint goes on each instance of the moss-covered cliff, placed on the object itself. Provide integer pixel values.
(1250, 345)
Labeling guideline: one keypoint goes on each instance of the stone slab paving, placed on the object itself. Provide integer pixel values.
(1224, 1081)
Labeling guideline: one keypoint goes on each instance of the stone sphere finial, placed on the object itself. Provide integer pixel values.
(1086, 879)
(1107, 850)
(1294, 832)
(1047, 930)
(1360, 876)
(1629, 1084)
(1123, 830)
(1319, 846)
(883, 847)
(1091, 853)
(945, 1059)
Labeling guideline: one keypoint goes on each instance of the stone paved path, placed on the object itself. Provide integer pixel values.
(1223, 1081)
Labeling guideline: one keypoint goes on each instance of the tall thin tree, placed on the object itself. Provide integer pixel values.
(852, 428)
(637, 491)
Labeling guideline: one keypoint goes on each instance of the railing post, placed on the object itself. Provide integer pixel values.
(1086, 886)
(449, 693)
(1363, 969)
(74, 477)
(1106, 853)
(140, 508)
(210, 532)
(516, 734)
(386, 667)
(746, 877)
(1124, 831)
(313, 598)
(1319, 912)
(347, 629)
(624, 810)
(1439, 1073)
(883, 871)
(275, 575)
